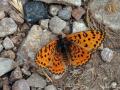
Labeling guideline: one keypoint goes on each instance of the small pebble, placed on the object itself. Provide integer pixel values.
(1, 47)
(44, 23)
(21, 85)
(113, 84)
(35, 11)
(56, 25)
(36, 80)
(7, 27)
(65, 14)
(79, 26)
(7, 43)
(50, 87)
(107, 54)
(2, 14)
(16, 74)
(54, 9)
(6, 65)
(77, 13)
(8, 54)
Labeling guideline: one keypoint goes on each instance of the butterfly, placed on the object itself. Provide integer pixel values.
(73, 50)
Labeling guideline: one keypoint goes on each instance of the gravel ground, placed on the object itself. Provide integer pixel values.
(22, 34)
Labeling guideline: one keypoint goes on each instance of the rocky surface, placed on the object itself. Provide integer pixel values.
(21, 40)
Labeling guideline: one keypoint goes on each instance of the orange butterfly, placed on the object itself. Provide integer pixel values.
(74, 49)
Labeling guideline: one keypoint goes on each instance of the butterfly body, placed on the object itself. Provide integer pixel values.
(72, 50)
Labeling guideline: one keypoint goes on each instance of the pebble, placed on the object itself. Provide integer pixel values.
(56, 25)
(77, 13)
(16, 16)
(79, 26)
(107, 54)
(50, 87)
(21, 85)
(2, 14)
(16, 74)
(7, 43)
(1, 47)
(44, 23)
(54, 9)
(28, 49)
(113, 85)
(7, 27)
(64, 13)
(8, 54)
(69, 2)
(36, 80)
(35, 11)
(6, 65)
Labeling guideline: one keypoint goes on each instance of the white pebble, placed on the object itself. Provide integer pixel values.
(107, 54)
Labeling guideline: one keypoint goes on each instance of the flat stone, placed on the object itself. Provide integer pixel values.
(6, 65)
(68, 2)
(50, 87)
(21, 85)
(56, 25)
(7, 43)
(28, 49)
(7, 27)
(36, 80)
(79, 26)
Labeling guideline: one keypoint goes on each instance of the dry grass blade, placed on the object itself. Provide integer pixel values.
(17, 4)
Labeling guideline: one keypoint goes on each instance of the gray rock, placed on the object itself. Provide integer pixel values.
(65, 14)
(69, 2)
(50, 87)
(79, 26)
(7, 43)
(107, 54)
(106, 12)
(6, 65)
(54, 9)
(1, 47)
(36, 80)
(7, 27)
(56, 25)
(28, 49)
(16, 74)
(20, 85)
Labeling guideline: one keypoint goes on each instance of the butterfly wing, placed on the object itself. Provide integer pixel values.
(48, 57)
(45, 55)
(78, 55)
(88, 40)
(57, 66)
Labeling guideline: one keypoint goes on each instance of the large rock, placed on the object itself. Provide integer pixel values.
(35, 40)
(107, 12)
